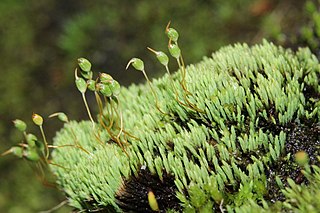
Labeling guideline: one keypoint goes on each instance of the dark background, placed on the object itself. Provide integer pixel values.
(41, 40)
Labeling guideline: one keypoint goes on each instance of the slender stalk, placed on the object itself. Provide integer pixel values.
(56, 207)
(70, 145)
(40, 171)
(121, 118)
(111, 120)
(174, 88)
(88, 110)
(121, 125)
(153, 92)
(108, 107)
(54, 164)
(183, 84)
(9, 151)
(130, 135)
(183, 81)
(77, 143)
(45, 142)
(99, 102)
(112, 136)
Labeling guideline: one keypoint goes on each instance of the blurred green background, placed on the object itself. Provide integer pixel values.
(41, 40)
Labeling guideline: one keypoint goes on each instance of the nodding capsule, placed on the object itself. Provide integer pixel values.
(84, 64)
(137, 63)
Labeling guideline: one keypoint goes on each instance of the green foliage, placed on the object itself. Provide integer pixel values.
(42, 39)
(253, 101)
(304, 198)
(253, 190)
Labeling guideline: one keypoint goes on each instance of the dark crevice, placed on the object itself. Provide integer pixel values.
(244, 159)
(304, 137)
(268, 125)
(194, 159)
(310, 92)
(170, 145)
(133, 195)
(191, 116)
(262, 72)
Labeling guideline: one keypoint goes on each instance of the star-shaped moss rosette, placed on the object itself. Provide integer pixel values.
(260, 110)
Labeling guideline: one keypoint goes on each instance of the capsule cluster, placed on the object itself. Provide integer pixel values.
(31, 148)
(104, 84)
(175, 52)
(106, 90)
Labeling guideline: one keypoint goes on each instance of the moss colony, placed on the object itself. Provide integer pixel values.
(251, 145)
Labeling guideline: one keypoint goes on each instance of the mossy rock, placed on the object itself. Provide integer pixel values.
(232, 148)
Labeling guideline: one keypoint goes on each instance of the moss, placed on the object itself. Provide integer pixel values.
(258, 106)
